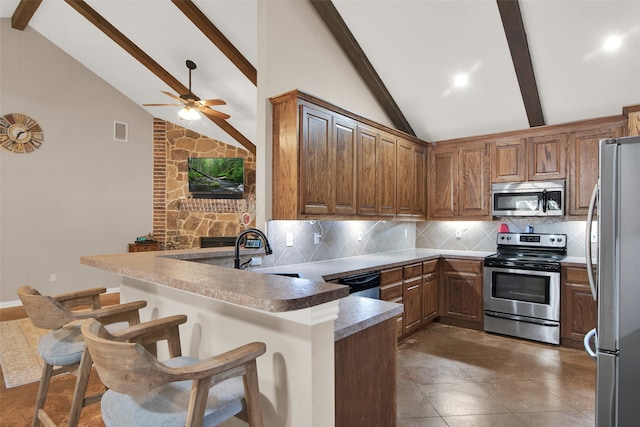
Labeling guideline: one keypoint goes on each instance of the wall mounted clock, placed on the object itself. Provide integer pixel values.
(19, 133)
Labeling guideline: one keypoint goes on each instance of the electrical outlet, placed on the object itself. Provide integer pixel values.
(406, 233)
(594, 236)
(316, 238)
(256, 261)
(360, 236)
(52, 277)
(289, 239)
(458, 234)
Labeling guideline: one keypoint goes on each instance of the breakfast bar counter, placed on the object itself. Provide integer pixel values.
(252, 290)
(305, 324)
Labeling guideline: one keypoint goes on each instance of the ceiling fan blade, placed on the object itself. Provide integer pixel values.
(217, 114)
(209, 102)
(176, 97)
(161, 105)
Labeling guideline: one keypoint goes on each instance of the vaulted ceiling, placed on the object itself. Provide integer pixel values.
(527, 62)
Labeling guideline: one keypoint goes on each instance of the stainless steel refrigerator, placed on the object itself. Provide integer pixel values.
(616, 286)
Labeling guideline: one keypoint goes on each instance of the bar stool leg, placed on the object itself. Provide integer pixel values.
(43, 388)
(82, 380)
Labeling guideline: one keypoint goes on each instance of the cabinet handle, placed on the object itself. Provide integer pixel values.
(413, 287)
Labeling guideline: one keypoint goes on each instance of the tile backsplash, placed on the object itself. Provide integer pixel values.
(339, 239)
(481, 235)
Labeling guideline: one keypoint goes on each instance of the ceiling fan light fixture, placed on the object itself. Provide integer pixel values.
(189, 113)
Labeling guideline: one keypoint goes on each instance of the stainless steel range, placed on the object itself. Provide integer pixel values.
(522, 286)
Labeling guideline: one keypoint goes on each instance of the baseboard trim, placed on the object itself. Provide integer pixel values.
(16, 310)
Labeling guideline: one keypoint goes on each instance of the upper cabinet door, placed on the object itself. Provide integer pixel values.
(547, 157)
(387, 174)
(443, 182)
(367, 148)
(344, 166)
(473, 181)
(508, 161)
(419, 197)
(315, 160)
(411, 180)
(405, 174)
(583, 165)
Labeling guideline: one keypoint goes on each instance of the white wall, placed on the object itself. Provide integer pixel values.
(296, 51)
(82, 192)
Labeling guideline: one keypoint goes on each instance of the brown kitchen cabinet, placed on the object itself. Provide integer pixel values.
(331, 163)
(443, 182)
(508, 161)
(459, 184)
(547, 157)
(462, 299)
(391, 289)
(412, 297)
(376, 172)
(583, 165)
(327, 162)
(579, 312)
(386, 184)
(411, 179)
(430, 291)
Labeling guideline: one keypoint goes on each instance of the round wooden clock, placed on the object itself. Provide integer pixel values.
(19, 133)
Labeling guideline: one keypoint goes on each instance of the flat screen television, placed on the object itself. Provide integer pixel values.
(216, 177)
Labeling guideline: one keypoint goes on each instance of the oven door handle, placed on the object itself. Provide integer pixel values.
(521, 318)
(587, 242)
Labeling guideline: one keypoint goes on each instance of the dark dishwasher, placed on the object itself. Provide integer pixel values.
(363, 285)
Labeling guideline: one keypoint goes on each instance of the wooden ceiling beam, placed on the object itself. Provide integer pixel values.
(212, 32)
(23, 13)
(336, 25)
(521, 57)
(121, 40)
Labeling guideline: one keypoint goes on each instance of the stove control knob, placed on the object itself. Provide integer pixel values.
(552, 239)
(508, 237)
(559, 239)
(501, 237)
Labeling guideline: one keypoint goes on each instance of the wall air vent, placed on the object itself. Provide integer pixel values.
(120, 131)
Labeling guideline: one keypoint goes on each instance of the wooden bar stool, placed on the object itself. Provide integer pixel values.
(181, 391)
(63, 347)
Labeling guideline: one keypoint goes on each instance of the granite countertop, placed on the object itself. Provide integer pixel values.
(335, 268)
(359, 313)
(269, 292)
(247, 288)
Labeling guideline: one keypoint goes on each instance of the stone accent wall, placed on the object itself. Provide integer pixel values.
(178, 220)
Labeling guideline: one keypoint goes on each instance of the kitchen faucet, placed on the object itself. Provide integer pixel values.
(267, 247)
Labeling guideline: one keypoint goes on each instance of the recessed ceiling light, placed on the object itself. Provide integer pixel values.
(612, 43)
(461, 80)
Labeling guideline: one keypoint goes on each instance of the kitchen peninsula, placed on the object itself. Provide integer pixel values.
(304, 323)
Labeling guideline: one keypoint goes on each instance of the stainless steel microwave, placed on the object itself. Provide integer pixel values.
(543, 198)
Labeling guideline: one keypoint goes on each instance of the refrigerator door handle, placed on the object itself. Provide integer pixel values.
(587, 342)
(587, 243)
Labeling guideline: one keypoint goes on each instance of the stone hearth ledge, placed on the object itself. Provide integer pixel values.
(245, 288)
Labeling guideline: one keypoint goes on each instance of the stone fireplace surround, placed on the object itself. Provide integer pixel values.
(178, 220)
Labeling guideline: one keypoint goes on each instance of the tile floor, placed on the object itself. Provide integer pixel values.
(447, 376)
(455, 377)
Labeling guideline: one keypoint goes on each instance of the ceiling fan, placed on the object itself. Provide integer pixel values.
(192, 106)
